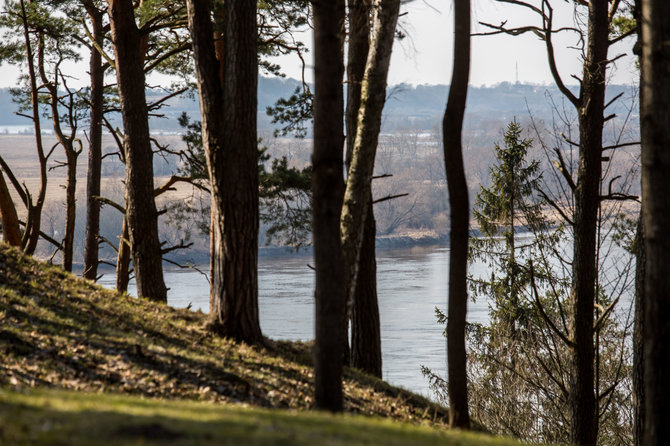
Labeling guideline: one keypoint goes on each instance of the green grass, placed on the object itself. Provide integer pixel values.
(70, 418)
(81, 365)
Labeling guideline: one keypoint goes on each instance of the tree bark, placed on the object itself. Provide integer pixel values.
(366, 347)
(365, 326)
(640, 271)
(70, 206)
(229, 121)
(11, 233)
(123, 259)
(141, 207)
(236, 311)
(452, 126)
(327, 193)
(638, 337)
(33, 220)
(208, 71)
(582, 399)
(91, 240)
(373, 95)
(655, 121)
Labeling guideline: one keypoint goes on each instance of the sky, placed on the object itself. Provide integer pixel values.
(424, 56)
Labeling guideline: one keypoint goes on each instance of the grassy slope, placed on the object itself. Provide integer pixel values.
(60, 332)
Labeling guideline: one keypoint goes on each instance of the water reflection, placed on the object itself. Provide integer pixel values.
(411, 283)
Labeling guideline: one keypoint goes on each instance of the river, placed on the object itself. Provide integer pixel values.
(411, 283)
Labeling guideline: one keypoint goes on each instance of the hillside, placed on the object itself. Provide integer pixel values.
(69, 346)
(59, 331)
(407, 106)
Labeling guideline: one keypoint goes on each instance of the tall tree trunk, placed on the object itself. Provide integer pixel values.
(366, 347)
(327, 193)
(123, 258)
(70, 207)
(452, 127)
(640, 271)
(638, 337)
(365, 327)
(91, 239)
(357, 195)
(655, 120)
(236, 311)
(34, 218)
(357, 56)
(208, 71)
(11, 233)
(229, 121)
(582, 399)
(141, 207)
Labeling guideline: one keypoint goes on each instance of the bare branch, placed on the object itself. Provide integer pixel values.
(389, 197)
(563, 169)
(554, 205)
(546, 318)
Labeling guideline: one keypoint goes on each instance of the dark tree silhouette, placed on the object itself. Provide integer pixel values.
(452, 127)
(655, 121)
(327, 193)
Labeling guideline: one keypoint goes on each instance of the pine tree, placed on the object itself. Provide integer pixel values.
(503, 209)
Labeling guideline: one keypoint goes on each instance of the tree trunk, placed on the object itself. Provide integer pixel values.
(34, 218)
(582, 399)
(655, 121)
(366, 347)
(70, 208)
(357, 55)
(236, 311)
(123, 259)
(638, 337)
(373, 95)
(452, 126)
(141, 207)
(211, 109)
(11, 233)
(365, 328)
(91, 241)
(327, 193)
(229, 121)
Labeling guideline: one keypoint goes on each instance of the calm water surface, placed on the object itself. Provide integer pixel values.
(411, 283)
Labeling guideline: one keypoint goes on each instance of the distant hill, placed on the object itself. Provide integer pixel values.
(407, 106)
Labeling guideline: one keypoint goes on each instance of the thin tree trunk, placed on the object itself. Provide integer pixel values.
(655, 120)
(11, 233)
(365, 327)
(70, 209)
(34, 218)
(357, 55)
(141, 207)
(366, 351)
(91, 239)
(638, 337)
(582, 400)
(327, 193)
(123, 259)
(211, 109)
(373, 95)
(452, 126)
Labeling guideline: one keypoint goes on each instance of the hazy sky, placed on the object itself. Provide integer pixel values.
(424, 57)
